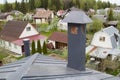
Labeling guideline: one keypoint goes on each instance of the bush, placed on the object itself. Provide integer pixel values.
(33, 48)
(45, 48)
(39, 50)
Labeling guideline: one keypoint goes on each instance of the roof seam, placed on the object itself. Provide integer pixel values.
(22, 70)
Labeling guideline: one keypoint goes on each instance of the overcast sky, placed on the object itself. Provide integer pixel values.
(112, 1)
(3, 1)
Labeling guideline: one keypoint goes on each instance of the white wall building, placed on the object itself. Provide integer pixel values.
(13, 33)
(105, 42)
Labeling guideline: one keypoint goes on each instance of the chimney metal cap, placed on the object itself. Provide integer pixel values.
(77, 17)
(27, 39)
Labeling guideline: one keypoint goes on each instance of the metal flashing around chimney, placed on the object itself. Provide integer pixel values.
(40, 67)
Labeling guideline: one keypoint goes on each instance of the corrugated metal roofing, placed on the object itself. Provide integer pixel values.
(111, 30)
(40, 67)
(77, 17)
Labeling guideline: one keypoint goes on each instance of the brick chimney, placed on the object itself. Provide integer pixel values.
(26, 47)
(76, 39)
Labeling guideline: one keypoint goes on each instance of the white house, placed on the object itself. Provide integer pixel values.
(6, 17)
(62, 25)
(106, 38)
(28, 16)
(105, 42)
(13, 33)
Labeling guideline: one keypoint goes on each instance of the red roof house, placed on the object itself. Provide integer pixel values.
(58, 39)
(13, 33)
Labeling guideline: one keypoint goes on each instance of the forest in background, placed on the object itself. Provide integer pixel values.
(55, 5)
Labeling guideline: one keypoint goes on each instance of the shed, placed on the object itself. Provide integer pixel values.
(58, 39)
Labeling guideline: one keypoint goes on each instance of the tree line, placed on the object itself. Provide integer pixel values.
(29, 5)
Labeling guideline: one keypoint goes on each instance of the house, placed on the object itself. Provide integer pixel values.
(43, 16)
(60, 12)
(104, 50)
(116, 10)
(112, 23)
(13, 33)
(106, 38)
(101, 12)
(16, 12)
(28, 17)
(102, 18)
(58, 39)
(6, 17)
(63, 25)
(104, 43)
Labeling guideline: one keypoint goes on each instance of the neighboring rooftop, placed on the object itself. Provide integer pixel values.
(59, 37)
(40, 67)
(102, 18)
(12, 30)
(43, 14)
(111, 30)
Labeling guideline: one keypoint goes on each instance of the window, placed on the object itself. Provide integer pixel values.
(74, 30)
(102, 39)
(28, 28)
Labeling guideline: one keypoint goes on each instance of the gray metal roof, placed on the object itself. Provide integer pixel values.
(111, 30)
(77, 17)
(40, 67)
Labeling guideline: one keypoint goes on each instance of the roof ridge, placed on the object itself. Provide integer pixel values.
(22, 70)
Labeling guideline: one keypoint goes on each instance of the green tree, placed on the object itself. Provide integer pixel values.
(50, 4)
(39, 47)
(37, 3)
(23, 7)
(44, 48)
(33, 51)
(16, 5)
(7, 7)
(95, 26)
(110, 15)
(32, 4)
(44, 4)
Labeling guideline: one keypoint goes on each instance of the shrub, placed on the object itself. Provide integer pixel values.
(44, 48)
(33, 48)
(39, 50)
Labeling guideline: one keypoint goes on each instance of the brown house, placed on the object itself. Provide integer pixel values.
(43, 16)
(58, 39)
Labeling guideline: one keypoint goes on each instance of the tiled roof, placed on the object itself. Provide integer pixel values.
(43, 14)
(12, 30)
(59, 37)
(40, 67)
